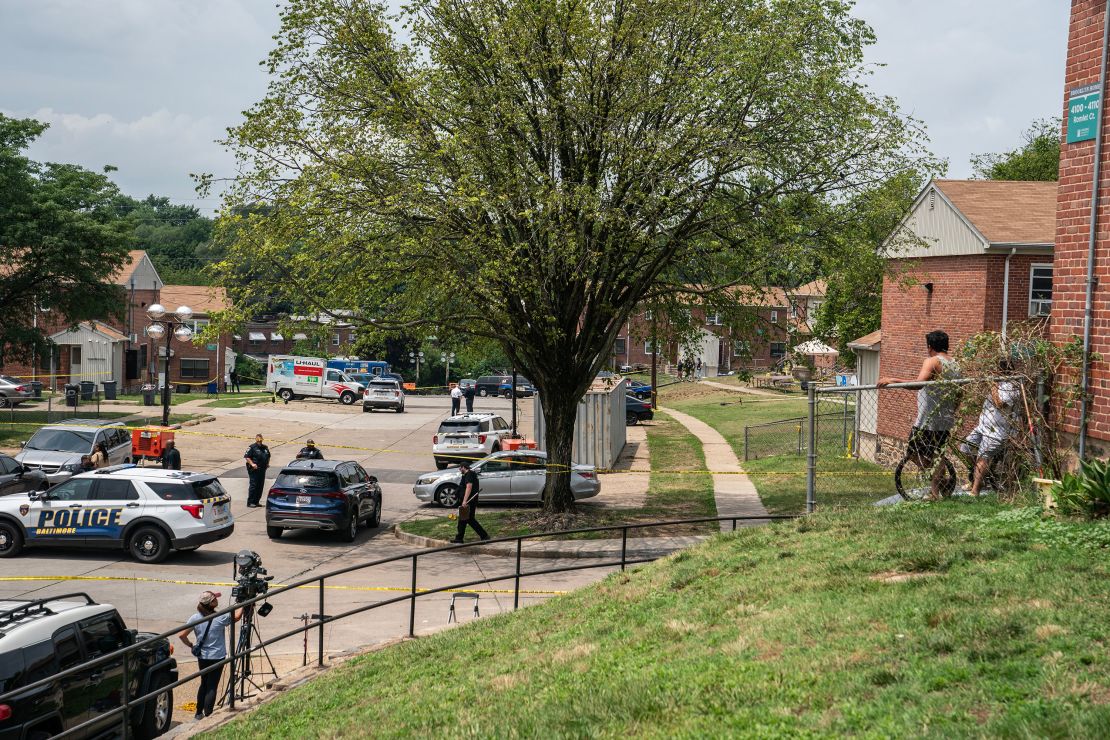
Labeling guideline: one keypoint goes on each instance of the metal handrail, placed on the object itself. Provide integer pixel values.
(324, 618)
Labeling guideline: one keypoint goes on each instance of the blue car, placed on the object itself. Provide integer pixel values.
(326, 495)
(524, 389)
(638, 389)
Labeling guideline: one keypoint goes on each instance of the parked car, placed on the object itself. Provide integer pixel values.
(384, 394)
(327, 495)
(56, 450)
(145, 511)
(639, 389)
(467, 383)
(14, 478)
(505, 476)
(524, 388)
(490, 385)
(13, 391)
(636, 410)
(41, 638)
(468, 437)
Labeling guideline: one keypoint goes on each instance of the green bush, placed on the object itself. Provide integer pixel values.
(1085, 493)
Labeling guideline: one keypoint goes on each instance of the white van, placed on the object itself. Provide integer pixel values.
(310, 377)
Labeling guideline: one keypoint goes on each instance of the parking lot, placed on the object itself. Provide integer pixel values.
(394, 447)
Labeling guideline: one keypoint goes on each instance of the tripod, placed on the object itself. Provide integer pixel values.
(241, 667)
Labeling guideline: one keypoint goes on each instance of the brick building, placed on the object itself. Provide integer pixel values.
(776, 320)
(265, 336)
(1073, 220)
(972, 256)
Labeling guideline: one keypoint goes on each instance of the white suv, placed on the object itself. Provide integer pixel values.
(468, 437)
(145, 511)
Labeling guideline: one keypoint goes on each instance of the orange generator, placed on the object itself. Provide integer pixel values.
(149, 443)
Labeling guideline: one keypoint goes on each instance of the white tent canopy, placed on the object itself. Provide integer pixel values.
(815, 347)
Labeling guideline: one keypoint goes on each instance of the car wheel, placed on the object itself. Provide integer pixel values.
(377, 518)
(483, 392)
(631, 419)
(285, 394)
(157, 712)
(366, 409)
(350, 531)
(347, 398)
(149, 545)
(447, 496)
(274, 533)
(11, 540)
(4, 402)
(401, 409)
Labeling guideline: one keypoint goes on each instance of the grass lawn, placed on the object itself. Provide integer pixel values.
(960, 619)
(237, 400)
(670, 496)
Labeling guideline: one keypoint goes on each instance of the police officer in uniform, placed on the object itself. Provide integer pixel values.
(258, 459)
(470, 486)
(310, 452)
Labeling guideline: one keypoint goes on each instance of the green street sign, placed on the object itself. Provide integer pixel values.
(210, 347)
(1084, 104)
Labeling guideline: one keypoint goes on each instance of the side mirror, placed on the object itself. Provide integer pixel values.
(36, 495)
(20, 471)
(130, 636)
(374, 479)
(23, 444)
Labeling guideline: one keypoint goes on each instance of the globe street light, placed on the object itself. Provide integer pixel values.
(159, 327)
(416, 357)
(447, 357)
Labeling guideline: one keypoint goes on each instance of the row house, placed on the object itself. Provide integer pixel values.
(265, 336)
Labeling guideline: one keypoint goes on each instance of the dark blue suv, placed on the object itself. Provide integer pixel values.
(329, 495)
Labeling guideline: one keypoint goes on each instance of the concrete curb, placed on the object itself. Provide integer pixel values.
(195, 422)
(602, 548)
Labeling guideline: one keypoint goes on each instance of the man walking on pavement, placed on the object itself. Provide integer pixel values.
(469, 504)
(258, 459)
(171, 458)
(456, 399)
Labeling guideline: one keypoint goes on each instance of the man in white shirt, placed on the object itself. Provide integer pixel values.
(994, 428)
(456, 399)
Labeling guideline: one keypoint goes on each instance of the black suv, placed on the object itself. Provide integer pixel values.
(490, 385)
(329, 495)
(39, 639)
(14, 478)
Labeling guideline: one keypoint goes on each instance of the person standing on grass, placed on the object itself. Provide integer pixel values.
(467, 508)
(258, 459)
(937, 399)
(171, 458)
(209, 647)
(234, 376)
(995, 426)
(456, 400)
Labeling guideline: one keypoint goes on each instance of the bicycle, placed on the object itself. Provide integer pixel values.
(915, 482)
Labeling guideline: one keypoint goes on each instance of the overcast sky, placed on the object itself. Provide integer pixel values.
(150, 85)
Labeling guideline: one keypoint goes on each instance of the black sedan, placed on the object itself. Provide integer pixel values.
(636, 410)
(14, 478)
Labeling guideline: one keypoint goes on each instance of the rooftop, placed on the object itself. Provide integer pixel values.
(1006, 211)
(203, 299)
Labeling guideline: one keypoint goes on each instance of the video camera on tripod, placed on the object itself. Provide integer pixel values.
(251, 579)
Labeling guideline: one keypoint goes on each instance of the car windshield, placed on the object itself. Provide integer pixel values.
(9, 379)
(61, 440)
(459, 426)
(305, 479)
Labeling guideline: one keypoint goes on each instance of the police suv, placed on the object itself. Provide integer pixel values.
(145, 511)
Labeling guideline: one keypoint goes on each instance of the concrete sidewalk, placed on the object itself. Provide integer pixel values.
(733, 490)
(743, 389)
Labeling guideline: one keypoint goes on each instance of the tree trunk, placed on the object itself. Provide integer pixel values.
(560, 410)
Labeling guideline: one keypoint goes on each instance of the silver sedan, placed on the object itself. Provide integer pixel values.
(504, 476)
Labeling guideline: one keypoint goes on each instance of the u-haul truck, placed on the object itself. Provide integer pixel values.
(310, 377)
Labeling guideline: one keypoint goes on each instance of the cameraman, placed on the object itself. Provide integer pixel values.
(210, 647)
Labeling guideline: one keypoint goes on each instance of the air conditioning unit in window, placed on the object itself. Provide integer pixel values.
(133, 338)
(1040, 308)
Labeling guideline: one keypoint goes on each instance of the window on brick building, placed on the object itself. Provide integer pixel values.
(713, 319)
(194, 368)
(1040, 290)
(649, 347)
(620, 346)
(740, 348)
(335, 339)
(774, 317)
(778, 349)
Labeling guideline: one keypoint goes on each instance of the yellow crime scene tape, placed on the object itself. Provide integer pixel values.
(227, 584)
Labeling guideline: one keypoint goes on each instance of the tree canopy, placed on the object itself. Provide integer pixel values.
(531, 171)
(61, 242)
(177, 238)
(1038, 158)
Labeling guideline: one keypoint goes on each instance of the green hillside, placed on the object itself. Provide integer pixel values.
(955, 619)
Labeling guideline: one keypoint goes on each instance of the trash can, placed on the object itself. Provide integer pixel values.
(72, 394)
(212, 390)
(87, 389)
(148, 394)
(36, 389)
(109, 389)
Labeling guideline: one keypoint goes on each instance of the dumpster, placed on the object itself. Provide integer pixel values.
(72, 394)
(148, 394)
(87, 389)
(109, 389)
(36, 389)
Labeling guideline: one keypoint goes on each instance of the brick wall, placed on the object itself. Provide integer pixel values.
(1072, 224)
(759, 344)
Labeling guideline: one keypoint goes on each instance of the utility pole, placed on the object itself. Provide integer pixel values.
(654, 364)
(512, 395)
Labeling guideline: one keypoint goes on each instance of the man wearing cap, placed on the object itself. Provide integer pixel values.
(258, 459)
(469, 503)
(209, 646)
(310, 452)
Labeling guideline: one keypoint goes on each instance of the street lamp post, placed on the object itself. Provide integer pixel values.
(160, 326)
(447, 357)
(416, 357)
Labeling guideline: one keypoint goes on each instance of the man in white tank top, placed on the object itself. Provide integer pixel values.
(936, 406)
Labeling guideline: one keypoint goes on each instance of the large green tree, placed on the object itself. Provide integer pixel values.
(532, 170)
(61, 241)
(1038, 157)
(177, 237)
